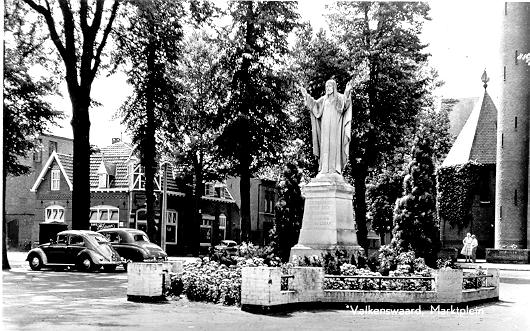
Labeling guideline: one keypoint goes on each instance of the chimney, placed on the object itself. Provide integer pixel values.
(115, 140)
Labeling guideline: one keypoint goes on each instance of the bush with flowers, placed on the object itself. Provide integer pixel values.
(472, 281)
(211, 281)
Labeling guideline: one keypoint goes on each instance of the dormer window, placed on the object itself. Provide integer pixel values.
(106, 173)
(103, 181)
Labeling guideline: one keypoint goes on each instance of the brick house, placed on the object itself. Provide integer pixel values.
(263, 197)
(117, 195)
(19, 203)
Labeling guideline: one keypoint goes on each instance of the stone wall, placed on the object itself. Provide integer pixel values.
(261, 288)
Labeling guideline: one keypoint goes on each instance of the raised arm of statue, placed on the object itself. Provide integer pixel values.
(347, 96)
(313, 105)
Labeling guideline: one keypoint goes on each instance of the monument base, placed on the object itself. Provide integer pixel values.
(328, 224)
(300, 252)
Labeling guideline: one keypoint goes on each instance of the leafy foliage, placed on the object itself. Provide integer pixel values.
(288, 212)
(148, 42)
(26, 113)
(391, 82)
(455, 187)
(79, 34)
(255, 122)
(415, 223)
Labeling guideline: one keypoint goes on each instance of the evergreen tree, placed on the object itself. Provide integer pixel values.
(415, 224)
(386, 61)
(255, 120)
(288, 212)
(148, 42)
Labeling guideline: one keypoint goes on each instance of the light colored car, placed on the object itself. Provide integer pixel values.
(133, 245)
(83, 249)
(229, 246)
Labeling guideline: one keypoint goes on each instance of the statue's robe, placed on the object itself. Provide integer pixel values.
(331, 130)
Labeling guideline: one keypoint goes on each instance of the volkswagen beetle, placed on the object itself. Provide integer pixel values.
(83, 249)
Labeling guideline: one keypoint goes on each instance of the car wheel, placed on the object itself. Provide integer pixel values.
(109, 268)
(85, 263)
(35, 262)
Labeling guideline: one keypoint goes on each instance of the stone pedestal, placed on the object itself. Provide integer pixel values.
(328, 222)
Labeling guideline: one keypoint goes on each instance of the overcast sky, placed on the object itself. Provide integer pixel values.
(463, 38)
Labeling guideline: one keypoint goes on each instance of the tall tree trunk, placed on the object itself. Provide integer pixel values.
(244, 186)
(149, 142)
(5, 260)
(359, 173)
(197, 215)
(81, 162)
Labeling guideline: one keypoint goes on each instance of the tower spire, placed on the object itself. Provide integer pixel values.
(485, 79)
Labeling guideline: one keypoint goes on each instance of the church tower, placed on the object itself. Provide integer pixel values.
(512, 171)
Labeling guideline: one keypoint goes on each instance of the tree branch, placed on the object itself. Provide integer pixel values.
(108, 28)
(69, 28)
(51, 25)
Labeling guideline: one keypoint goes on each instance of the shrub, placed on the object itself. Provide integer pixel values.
(469, 283)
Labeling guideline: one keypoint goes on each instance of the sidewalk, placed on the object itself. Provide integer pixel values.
(484, 265)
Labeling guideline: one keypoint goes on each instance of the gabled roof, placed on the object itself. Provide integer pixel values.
(65, 163)
(478, 138)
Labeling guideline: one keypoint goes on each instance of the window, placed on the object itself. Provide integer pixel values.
(103, 181)
(136, 177)
(77, 241)
(54, 214)
(52, 147)
(516, 57)
(269, 202)
(56, 180)
(209, 189)
(515, 198)
(484, 186)
(102, 217)
(222, 227)
(171, 226)
(504, 73)
(206, 230)
(62, 239)
(515, 123)
(37, 154)
(141, 219)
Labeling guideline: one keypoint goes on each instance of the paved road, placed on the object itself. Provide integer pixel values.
(68, 300)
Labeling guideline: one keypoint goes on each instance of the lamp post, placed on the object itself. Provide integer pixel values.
(164, 206)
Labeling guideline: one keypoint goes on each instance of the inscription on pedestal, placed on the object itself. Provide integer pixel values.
(320, 212)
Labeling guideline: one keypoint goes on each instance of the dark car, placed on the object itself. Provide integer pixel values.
(83, 249)
(133, 245)
(229, 246)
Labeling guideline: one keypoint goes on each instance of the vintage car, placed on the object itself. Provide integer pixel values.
(228, 246)
(133, 245)
(83, 249)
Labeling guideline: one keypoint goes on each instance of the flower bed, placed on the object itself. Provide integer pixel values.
(475, 279)
(210, 281)
(352, 278)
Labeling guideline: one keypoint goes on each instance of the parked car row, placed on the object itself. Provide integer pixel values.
(91, 251)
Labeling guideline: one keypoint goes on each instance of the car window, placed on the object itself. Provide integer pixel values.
(113, 237)
(140, 237)
(61, 239)
(77, 241)
(99, 238)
